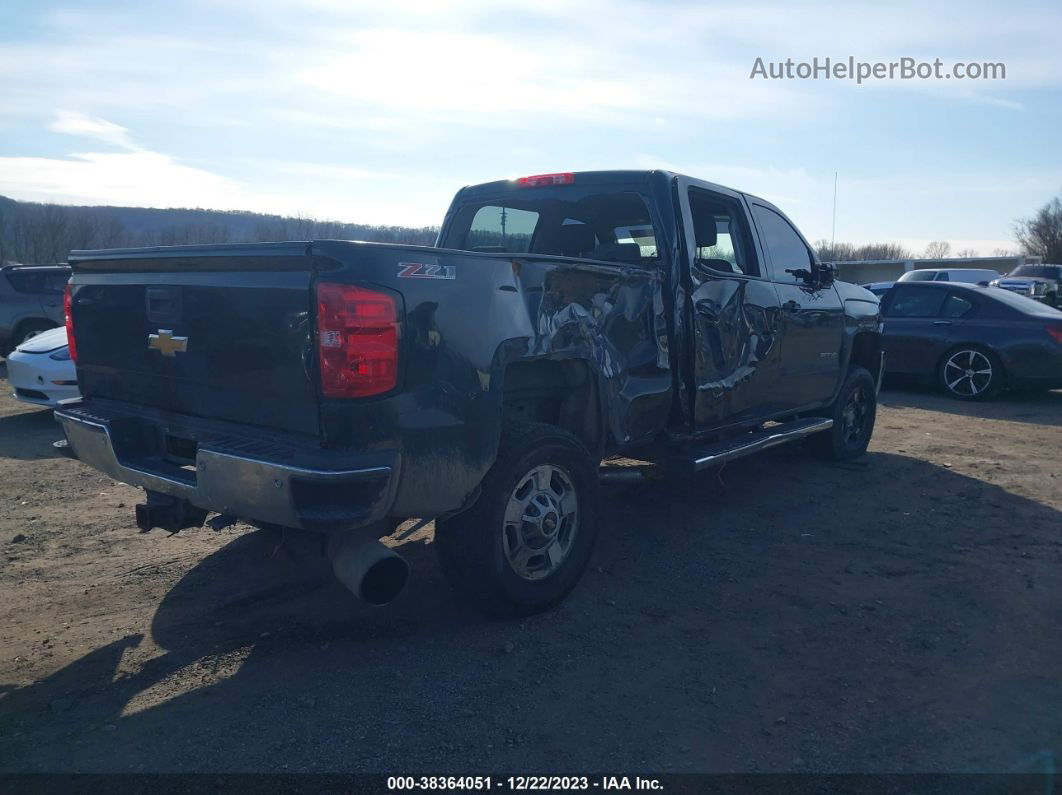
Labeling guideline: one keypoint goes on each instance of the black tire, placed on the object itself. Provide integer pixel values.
(964, 359)
(853, 415)
(475, 546)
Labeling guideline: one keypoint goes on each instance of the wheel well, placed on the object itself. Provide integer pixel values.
(21, 327)
(866, 352)
(33, 321)
(561, 393)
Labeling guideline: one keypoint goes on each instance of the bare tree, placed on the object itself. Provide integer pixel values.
(4, 222)
(966, 253)
(938, 249)
(848, 252)
(1042, 233)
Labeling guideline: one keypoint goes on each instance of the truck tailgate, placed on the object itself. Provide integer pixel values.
(222, 332)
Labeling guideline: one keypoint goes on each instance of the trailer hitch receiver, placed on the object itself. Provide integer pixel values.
(168, 513)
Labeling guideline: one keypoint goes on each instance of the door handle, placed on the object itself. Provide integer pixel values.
(791, 306)
(941, 322)
(707, 309)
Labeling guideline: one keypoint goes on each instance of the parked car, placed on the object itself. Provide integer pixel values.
(31, 301)
(40, 369)
(979, 276)
(343, 387)
(970, 341)
(1042, 282)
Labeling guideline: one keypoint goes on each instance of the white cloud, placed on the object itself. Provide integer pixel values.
(81, 124)
(376, 111)
(137, 178)
(141, 178)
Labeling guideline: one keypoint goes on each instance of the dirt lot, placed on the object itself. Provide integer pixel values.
(900, 613)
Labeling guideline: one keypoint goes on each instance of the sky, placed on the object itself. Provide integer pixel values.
(378, 112)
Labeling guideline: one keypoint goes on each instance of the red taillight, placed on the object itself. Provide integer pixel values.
(541, 180)
(68, 305)
(357, 341)
(1056, 333)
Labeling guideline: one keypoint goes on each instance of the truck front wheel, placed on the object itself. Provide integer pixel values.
(528, 538)
(853, 415)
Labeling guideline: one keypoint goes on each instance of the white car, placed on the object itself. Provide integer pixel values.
(40, 370)
(981, 276)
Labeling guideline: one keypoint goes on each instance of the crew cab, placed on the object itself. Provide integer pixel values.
(561, 320)
(1040, 282)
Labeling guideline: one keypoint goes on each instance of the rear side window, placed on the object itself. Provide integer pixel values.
(955, 306)
(943, 277)
(783, 243)
(55, 283)
(913, 302)
(500, 228)
(30, 283)
(39, 282)
(722, 241)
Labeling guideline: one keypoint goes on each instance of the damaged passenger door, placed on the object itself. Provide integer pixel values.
(733, 311)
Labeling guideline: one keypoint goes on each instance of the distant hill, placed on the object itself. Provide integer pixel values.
(38, 233)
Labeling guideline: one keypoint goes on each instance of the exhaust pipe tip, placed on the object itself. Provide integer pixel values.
(369, 570)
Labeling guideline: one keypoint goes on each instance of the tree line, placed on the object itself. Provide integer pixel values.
(32, 233)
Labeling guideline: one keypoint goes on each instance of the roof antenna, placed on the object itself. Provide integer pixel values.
(833, 231)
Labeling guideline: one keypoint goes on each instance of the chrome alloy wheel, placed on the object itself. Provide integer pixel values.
(968, 373)
(541, 520)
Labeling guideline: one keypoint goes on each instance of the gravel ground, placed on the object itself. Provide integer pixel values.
(899, 613)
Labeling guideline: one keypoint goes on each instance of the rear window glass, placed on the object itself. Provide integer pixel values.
(613, 226)
(499, 228)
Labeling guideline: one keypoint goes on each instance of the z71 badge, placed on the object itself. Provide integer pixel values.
(420, 270)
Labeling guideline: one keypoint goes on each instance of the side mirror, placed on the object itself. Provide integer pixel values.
(821, 274)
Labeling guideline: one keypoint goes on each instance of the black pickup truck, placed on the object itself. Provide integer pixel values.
(561, 320)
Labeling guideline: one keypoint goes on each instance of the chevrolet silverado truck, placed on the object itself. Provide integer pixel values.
(1040, 282)
(561, 321)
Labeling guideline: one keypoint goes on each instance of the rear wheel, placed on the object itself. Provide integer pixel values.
(970, 373)
(853, 415)
(528, 538)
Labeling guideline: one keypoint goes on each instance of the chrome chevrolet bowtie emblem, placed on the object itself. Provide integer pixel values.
(165, 343)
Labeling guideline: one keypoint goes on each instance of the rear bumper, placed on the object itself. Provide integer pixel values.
(236, 471)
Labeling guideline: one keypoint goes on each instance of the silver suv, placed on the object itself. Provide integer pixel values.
(31, 301)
